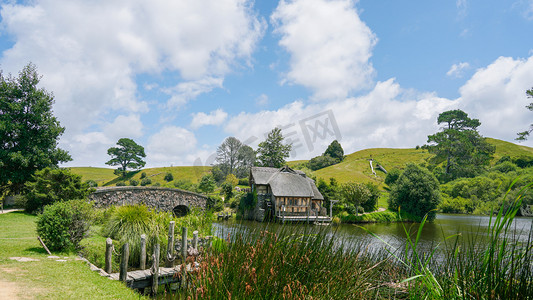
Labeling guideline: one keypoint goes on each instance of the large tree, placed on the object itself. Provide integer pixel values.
(29, 132)
(460, 145)
(355, 194)
(522, 136)
(128, 154)
(233, 157)
(335, 151)
(272, 152)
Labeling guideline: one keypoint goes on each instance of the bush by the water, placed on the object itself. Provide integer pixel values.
(416, 192)
(63, 225)
(215, 203)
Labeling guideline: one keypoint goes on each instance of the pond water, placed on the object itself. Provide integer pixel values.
(445, 225)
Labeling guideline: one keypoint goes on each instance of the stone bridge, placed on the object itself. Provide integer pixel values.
(166, 199)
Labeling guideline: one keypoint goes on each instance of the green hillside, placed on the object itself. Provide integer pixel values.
(106, 177)
(355, 167)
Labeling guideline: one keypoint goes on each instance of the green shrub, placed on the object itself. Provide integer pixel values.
(248, 201)
(51, 185)
(143, 175)
(244, 181)
(169, 177)
(505, 167)
(63, 225)
(146, 181)
(91, 183)
(134, 182)
(121, 183)
(320, 162)
(184, 184)
(215, 203)
(458, 205)
(392, 176)
(157, 184)
(416, 192)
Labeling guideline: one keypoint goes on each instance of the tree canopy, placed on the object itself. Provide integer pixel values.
(416, 192)
(233, 157)
(28, 129)
(522, 136)
(272, 152)
(128, 154)
(465, 151)
(335, 151)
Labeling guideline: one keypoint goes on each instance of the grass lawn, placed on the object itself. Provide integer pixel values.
(47, 278)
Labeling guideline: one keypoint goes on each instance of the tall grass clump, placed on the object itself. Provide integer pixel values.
(290, 264)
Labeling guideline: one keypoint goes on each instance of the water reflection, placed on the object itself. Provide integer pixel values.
(446, 225)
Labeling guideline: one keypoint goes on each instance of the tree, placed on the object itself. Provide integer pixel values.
(322, 161)
(522, 136)
(416, 192)
(355, 194)
(233, 157)
(128, 154)
(54, 185)
(335, 151)
(29, 132)
(207, 184)
(460, 144)
(272, 152)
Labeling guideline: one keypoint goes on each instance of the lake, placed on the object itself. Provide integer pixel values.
(445, 225)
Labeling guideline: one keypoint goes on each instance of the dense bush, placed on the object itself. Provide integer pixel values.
(91, 183)
(321, 161)
(207, 184)
(372, 201)
(146, 181)
(505, 167)
(120, 183)
(134, 182)
(184, 184)
(248, 201)
(143, 175)
(458, 205)
(227, 190)
(63, 225)
(392, 176)
(416, 192)
(52, 185)
(169, 177)
(244, 181)
(214, 203)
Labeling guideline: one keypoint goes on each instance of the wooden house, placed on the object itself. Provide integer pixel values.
(286, 192)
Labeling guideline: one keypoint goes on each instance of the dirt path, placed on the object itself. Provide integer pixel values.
(5, 211)
(8, 290)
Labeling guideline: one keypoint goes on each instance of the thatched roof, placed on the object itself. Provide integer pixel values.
(286, 182)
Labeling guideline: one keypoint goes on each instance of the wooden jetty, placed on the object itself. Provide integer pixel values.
(141, 279)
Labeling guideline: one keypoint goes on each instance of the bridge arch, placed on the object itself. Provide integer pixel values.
(163, 199)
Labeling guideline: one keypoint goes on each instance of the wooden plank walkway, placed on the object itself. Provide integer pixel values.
(143, 278)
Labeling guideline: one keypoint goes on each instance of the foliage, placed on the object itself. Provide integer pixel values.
(522, 136)
(91, 183)
(505, 167)
(355, 194)
(244, 181)
(227, 190)
(322, 161)
(184, 184)
(460, 145)
(392, 177)
(272, 152)
(146, 181)
(169, 177)
(64, 224)
(128, 154)
(233, 157)
(52, 185)
(143, 175)
(335, 151)
(215, 203)
(207, 184)
(416, 192)
(120, 183)
(231, 179)
(371, 203)
(329, 191)
(134, 182)
(458, 205)
(28, 130)
(248, 201)
(387, 216)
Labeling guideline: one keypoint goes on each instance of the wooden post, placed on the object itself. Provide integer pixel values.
(155, 270)
(170, 245)
(124, 262)
(143, 252)
(184, 256)
(195, 239)
(42, 243)
(108, 255)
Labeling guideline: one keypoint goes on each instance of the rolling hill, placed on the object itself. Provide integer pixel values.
(355, 166)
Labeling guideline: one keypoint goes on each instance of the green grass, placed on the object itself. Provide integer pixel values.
(105, 177)
(47, 278)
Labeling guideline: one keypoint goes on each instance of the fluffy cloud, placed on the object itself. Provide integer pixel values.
(456, 70)
(91, 52)
(171, 145)
(215, 117)
(329, 46)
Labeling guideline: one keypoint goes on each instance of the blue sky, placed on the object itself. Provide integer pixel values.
(180, 76)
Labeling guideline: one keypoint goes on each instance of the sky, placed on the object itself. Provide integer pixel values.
(178, 77)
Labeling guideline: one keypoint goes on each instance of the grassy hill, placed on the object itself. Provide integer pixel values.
(355, 167)
(106, 177)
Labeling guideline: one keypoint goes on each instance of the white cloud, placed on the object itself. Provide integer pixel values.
(462, 6)
(215, 117)
(171, 145)
(457, 70)
(90, 52)
(125, 126)
(329, 46)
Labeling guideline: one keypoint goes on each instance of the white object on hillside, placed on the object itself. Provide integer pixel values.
(371, 167)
